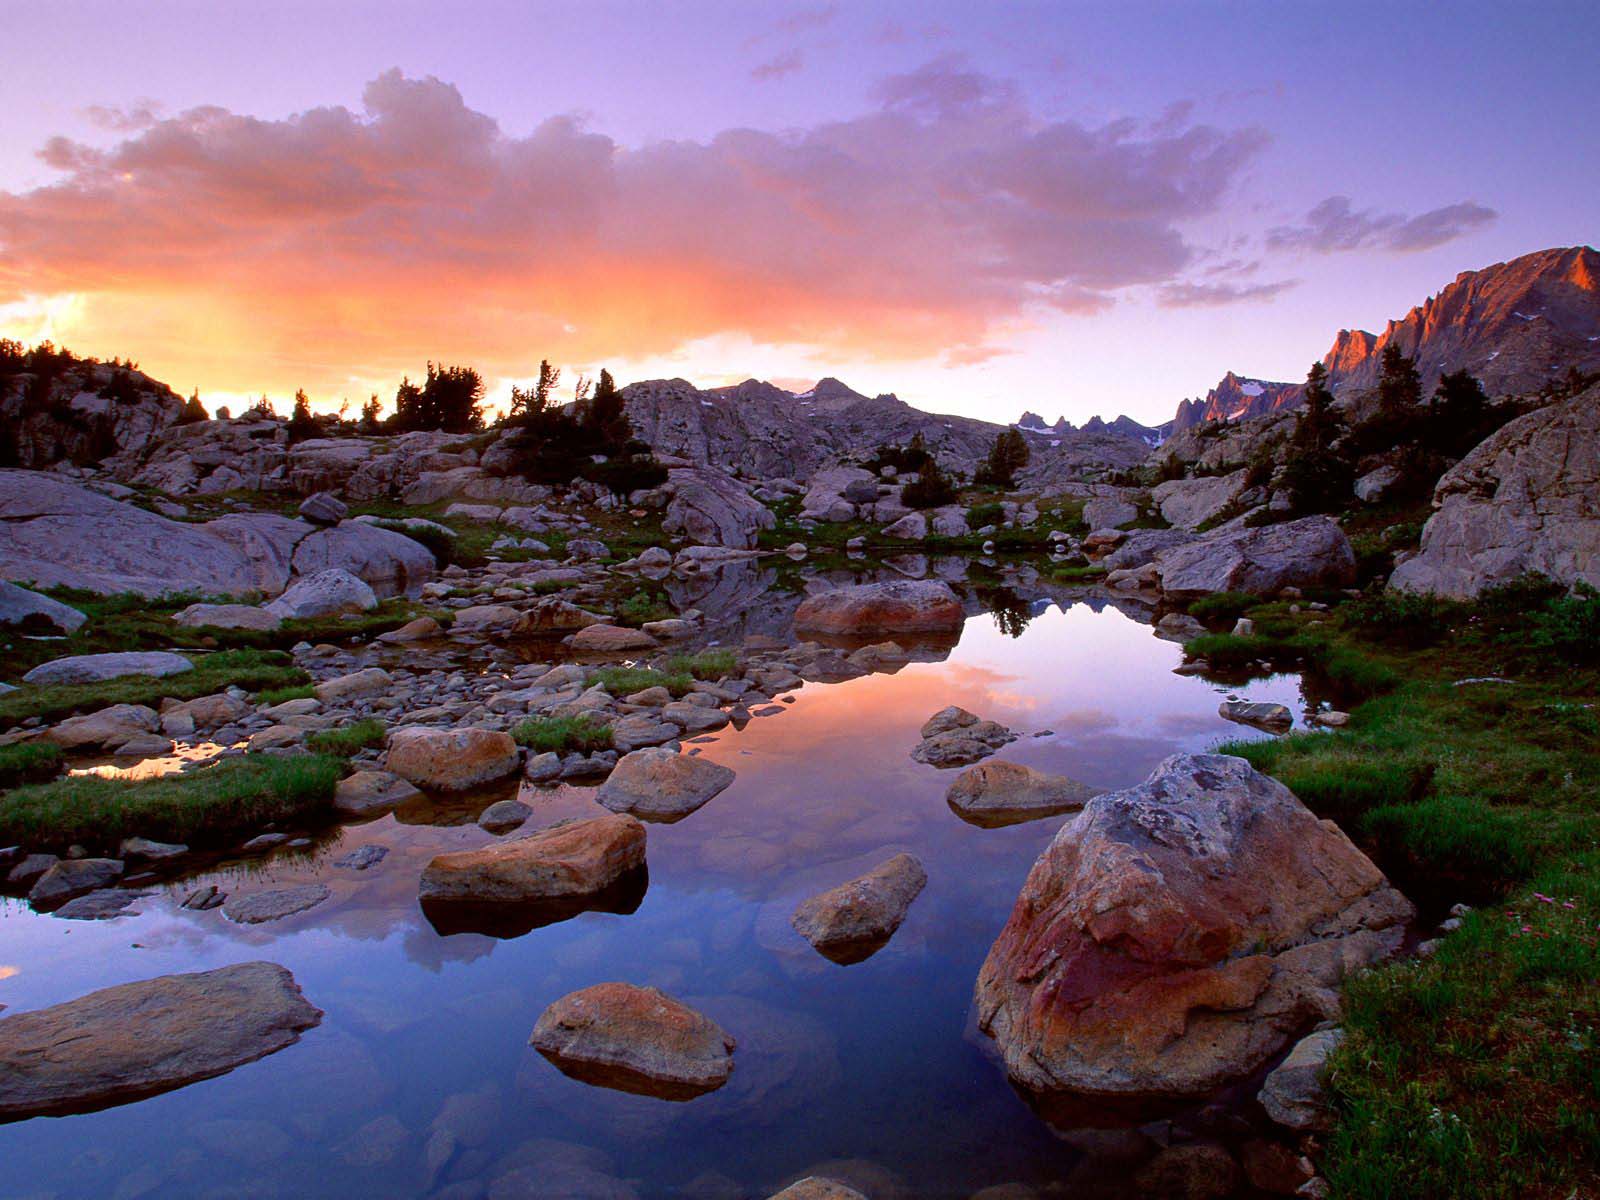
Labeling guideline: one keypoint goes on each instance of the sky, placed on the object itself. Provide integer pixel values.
(1068, 208)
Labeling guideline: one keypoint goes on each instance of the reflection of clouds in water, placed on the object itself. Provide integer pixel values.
(7, 972)
(1084, 720)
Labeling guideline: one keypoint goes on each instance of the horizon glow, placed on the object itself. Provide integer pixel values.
(1074, 209)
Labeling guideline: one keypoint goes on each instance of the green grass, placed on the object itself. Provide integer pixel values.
(300, 691)
(541, 734)
(1472, 1073)
(249, 669)
(707, 664)
(643, 605)
(210, 807)
(352, 739)
(1223, 606)
(26, 762)
(625, 681)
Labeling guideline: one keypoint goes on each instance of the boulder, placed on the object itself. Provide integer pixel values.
(912, 527)
(450, 760)
(611, 639)
(486, 619)
(326, 593)
(1312, 552)
(1004, 793)
(1525, 500)
(1109, 513)
(389, 561)
(566, 861)
(324, 509)
(901, 606)
(20, 606)
(504, 815)
(815, 1187)
(73, 877)
(1292, 1092)
(423, 629)
(95, 668)
(227, 616)
(635, 1039)
(369, 681)
(367, 793)
(711, 508)
(853, 921)
(659, 784)
(110, 726)
(135, 1040)
(54, 532)
(1175, 935)
(1190, 503)
(954, 737)
(1141, 547)
(551, 614)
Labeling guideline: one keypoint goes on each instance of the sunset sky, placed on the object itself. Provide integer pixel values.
(1071, 208)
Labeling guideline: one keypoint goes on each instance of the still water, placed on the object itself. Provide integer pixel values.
(420, 1082)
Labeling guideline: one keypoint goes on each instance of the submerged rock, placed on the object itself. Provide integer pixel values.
(635, 1039)
(1260, 713)
(1176, 935)
(901, 606)
(367, 793)
(1004, 793)
(856, 919)
(257, 908)
(138, 1039)
(659, 784)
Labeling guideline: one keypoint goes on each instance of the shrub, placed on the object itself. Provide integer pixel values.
(707, 664)
(542, 734)
(303, 691)
(1223, 606)
(441, 543)
(980, 515)
(931, 489)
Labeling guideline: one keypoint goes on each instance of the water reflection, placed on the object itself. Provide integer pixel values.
(873, 1071)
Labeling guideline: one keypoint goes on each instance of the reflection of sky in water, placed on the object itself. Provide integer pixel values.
(874, 1061)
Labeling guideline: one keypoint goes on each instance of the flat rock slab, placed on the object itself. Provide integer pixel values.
(138, 1039)
(1261, 714)
(635, 1039)
(1006, 793)
(569, 859)
(258, 907)
(853, 921)
(98, 906)
(362, 857)
(662, 785)
(93, 668)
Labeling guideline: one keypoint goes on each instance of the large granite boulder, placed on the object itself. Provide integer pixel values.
(569, 860)
(1190, 503)
(451, 760)
(389, 561)
(901, 606)
(138, 1039)
(1525, 500)
(19, 606)
(1177, 934)
(114, 725)
(1312, 552)
(713, 509)
(635, 1039)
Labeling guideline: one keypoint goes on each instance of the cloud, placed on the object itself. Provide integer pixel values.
(1214, 295)
(783, 64)
(243, 253)
(1334, 226)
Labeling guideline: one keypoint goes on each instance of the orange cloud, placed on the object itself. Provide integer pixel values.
(245, 254)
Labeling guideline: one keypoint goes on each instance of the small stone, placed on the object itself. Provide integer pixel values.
(542, 768)
(661, 785)
(367, 793)
(504, 816)
(1263, 715)
(1292, 1093)
(73, 877)
(853, 921)
(138, 847)
(362, 857)
(102, 905)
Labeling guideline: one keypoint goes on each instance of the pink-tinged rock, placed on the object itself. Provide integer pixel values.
(902, 606)
(635, 1039)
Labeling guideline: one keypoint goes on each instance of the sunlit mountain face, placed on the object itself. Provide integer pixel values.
(1066, 210)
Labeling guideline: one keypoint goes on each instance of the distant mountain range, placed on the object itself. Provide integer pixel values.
(1152, 435)
(1514, 325)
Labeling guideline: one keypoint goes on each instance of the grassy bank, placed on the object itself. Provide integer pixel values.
(249, 669)
(215, 806)
(1471, 776)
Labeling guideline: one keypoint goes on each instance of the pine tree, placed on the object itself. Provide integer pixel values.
(1399, 385)
(302, 424)
(193, 411)
(1317, 478)
(1007, 456)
